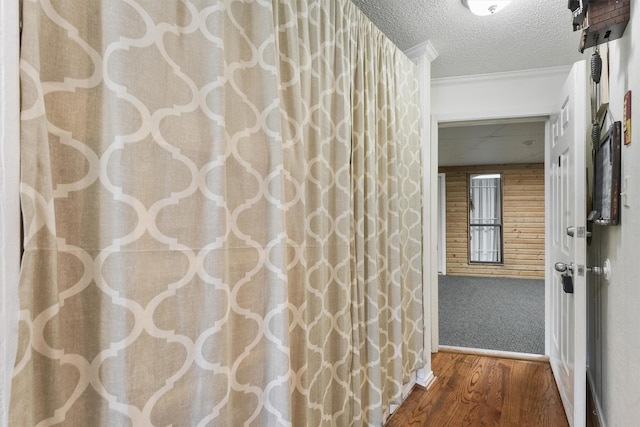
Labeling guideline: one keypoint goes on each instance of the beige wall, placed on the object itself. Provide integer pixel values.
(523, 190)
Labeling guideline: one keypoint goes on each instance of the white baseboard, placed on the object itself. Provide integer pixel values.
(392, 409)
(424, 378)
(406, 389)
(419, 377)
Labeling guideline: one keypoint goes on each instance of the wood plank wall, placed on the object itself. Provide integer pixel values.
(523, 210)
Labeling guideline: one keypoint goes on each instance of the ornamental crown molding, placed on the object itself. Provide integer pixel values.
(503, 76)
(425, 49)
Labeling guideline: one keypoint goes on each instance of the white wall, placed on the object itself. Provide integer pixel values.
(499, 95)
(9, 202)
(615, 356)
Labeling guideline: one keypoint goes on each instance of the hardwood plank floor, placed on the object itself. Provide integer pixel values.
(472, 390)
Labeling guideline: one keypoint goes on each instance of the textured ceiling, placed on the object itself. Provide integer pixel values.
(526, 34)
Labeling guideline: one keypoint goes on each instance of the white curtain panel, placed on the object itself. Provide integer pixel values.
(221, 215)
(486, 202)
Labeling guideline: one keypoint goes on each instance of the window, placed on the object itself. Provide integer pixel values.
(485, 218)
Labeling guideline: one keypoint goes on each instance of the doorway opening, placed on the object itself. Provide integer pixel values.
(491, 289)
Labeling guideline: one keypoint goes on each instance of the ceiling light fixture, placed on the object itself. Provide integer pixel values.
(485, 7)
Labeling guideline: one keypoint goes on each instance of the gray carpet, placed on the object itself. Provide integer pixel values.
(492, 313)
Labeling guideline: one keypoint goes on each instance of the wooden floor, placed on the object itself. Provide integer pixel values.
(472, 390)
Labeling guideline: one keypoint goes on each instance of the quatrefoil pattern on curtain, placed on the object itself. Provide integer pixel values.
(222, 215)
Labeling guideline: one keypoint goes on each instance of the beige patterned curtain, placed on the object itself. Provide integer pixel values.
(221, 215)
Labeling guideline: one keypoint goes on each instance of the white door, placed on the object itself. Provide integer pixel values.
(566, 214)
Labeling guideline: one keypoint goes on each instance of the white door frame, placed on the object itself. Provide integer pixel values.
(465, 118)
(442, 223)
(432, 223)
(522, 95)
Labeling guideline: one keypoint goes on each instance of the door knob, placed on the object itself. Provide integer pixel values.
(562, 267)
(605, 270)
